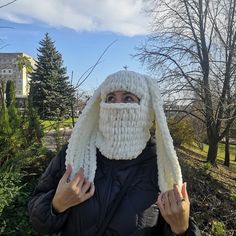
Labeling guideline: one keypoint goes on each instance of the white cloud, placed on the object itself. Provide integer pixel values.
(125, 17)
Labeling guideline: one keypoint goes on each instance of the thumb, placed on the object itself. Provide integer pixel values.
(184, 191)
(67, 173)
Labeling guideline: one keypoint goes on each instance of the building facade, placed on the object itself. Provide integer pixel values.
(9, 70)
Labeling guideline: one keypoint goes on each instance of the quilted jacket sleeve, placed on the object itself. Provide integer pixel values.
(164, 229)
(43, 219)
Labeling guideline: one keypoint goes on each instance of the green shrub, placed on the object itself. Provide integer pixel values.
(218, 228)
(207, 166)
(9, 186)
(181, 132)
(233, 197)
(15, 196)
(18, 178)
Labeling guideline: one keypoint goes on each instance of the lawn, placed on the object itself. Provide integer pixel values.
(52, 124)
(220, 156)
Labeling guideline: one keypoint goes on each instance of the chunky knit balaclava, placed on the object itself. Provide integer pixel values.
(121, 130)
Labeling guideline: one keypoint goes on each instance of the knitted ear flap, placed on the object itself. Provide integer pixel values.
(81, 151)
(169, 171)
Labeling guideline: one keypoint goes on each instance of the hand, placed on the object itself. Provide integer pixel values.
(72, 193)
(175, 206)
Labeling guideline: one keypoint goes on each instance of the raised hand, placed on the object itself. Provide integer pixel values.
(71, 193)
(174, 206)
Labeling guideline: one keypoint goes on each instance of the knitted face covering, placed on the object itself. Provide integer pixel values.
(123, 130)
(124, 127)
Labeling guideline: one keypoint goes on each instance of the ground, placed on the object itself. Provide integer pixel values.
(212, 192)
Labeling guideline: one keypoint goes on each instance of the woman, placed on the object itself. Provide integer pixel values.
(112, 175)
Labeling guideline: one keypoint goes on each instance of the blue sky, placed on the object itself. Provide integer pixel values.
(80, 39)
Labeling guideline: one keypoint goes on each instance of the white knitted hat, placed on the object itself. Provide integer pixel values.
(81, 151)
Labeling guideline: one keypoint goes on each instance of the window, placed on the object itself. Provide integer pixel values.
(7, 71)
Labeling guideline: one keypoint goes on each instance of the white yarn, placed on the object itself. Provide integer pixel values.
(169, 171)
(123, 130)
(81, 151)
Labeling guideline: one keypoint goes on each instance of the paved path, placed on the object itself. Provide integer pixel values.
(50, 137)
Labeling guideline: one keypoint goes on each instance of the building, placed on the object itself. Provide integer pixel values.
(9, 70)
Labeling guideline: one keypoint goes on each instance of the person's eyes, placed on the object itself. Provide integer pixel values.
(128, 99)
(110, 99)
(131, 99)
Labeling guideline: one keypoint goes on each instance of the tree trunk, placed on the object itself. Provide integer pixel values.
(212, 151)
(227, 154)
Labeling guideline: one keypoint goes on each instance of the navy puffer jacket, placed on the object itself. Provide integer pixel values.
(137, 213)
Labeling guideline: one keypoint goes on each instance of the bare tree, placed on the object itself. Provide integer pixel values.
(2, 43)
(192, 48)
(9, 3)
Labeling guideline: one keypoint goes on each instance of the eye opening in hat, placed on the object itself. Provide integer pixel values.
(121, 97)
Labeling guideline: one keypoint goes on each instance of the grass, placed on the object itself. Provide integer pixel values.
(212, 189)
(52, 124)
(221, 152)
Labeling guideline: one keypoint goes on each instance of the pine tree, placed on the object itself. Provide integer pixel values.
(35, 130)
(15, 137)
(5, 135)
(10, 93)
(14, 118)
(5, 128)
(50, 89)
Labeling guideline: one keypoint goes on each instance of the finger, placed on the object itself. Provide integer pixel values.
(178, 194)
(67, 174)
(78, 177)
(85, 187)
(90, 192)
(172, 200)
(184, 191)
(166, 202)
(80, 184)
(160, 202)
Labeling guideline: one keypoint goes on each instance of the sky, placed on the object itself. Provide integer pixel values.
(81, 29)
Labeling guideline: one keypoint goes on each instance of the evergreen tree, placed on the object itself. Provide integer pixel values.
(5, 135)
(10, 93)
(50, 89)
(5, 128)
(14, 118)
(35, 130)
